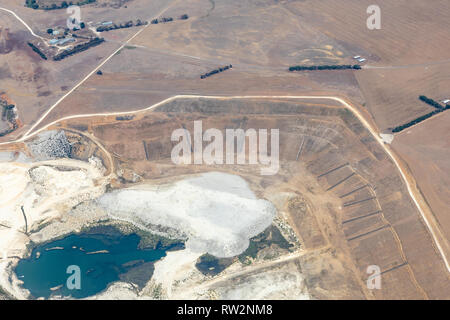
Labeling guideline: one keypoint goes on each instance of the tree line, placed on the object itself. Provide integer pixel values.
(218, 70)
(37, 50)
(138, 23)
(128, 24)
(169, 19)
(124, 118)
(325, 67)
(64, 4)
(438, 106)
(431, 102)
(78, 48)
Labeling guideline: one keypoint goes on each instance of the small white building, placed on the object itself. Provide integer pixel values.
(356, 57)
(362, 60)
(446, 101)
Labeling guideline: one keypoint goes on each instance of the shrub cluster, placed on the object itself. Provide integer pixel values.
(8, 131)
(124, 118)
(64, 4)
(8, 114)
(169, 19)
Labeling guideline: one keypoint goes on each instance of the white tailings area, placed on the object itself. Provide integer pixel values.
(45, 193)
(216, 211)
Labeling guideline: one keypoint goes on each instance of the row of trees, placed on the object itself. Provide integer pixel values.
(64, 4)
(78, 48)
(221, 69)
(431, 102)
(325, 67)
(170, 19)
(162, 20)
(420, 119)
(128, 24)
(37, 50)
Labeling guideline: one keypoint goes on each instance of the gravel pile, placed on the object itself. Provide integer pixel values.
(50, 145)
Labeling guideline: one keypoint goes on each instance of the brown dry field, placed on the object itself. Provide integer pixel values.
(392, 94)
(260, 39)
(35, 84)
(358, 212)
(408, 57)
(428, 158)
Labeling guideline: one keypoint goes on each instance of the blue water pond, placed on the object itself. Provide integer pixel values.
(101, 259)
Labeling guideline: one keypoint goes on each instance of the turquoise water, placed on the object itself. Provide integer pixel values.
(123, 259)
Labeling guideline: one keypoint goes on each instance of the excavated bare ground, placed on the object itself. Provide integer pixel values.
(336, 187)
